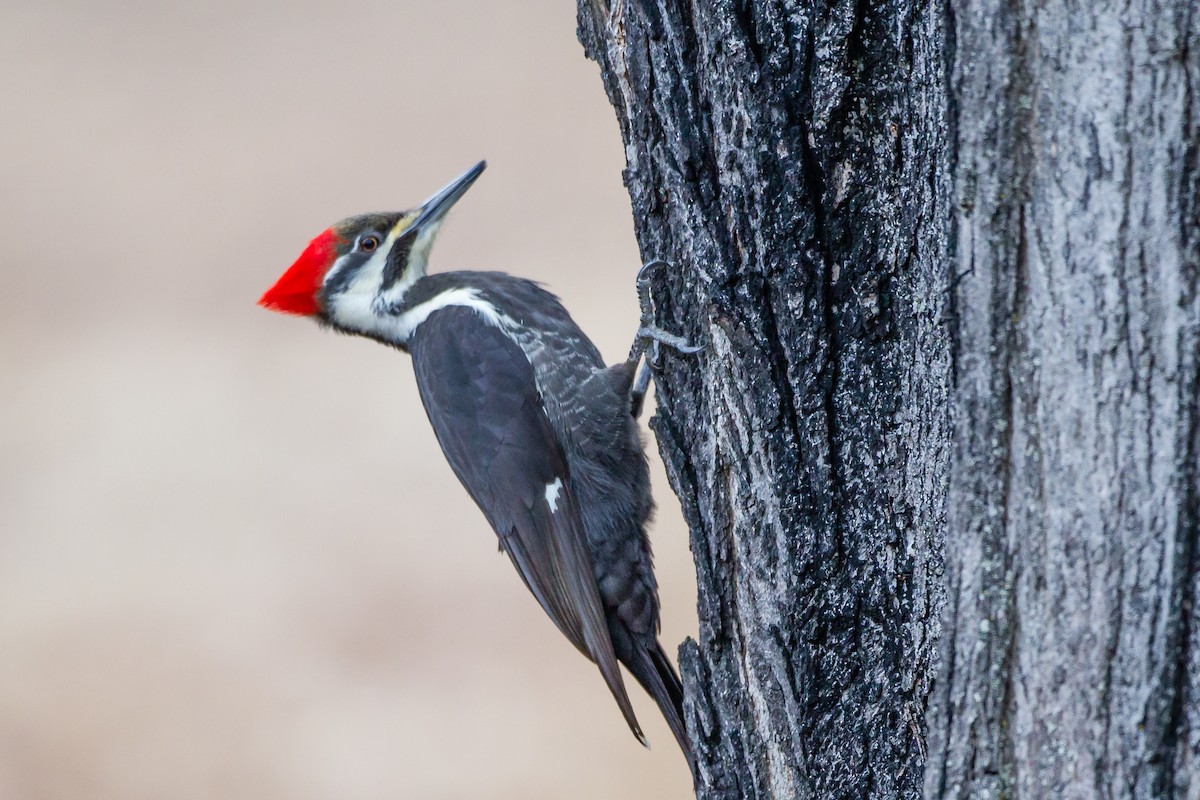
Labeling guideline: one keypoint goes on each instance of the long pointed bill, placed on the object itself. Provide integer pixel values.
(433, 209)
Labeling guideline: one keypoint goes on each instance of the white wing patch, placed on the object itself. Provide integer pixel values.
(552, 491)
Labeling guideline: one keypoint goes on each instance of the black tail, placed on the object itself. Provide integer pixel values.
(658, 677)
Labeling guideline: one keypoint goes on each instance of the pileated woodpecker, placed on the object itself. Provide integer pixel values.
(541, 433)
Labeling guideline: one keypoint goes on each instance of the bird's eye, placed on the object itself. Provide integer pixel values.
(368, 244)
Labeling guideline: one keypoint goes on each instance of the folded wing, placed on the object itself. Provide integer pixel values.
(481, 396)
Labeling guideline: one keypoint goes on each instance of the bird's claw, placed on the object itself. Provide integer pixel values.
(650, 338)
(648, 332)
(643, 276)
(659, 336)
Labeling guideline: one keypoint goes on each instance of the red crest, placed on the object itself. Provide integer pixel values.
(296, 290)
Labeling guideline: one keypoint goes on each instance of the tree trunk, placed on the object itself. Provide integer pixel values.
(792, 165)
(944, 258)
(1071, 654)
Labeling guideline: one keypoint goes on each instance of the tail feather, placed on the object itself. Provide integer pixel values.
(654, 671)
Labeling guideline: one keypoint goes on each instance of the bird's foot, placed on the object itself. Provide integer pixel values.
(650, 338)
(643, 276)
(648, 334)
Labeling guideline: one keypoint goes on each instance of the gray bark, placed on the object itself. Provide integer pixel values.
(944, 258)
(1070, 664)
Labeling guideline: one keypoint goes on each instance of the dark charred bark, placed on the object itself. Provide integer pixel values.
(940, 456)
(790, 161)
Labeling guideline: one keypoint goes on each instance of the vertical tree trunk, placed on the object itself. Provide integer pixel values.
(1071, 653)
(945, 258)
(790, 161)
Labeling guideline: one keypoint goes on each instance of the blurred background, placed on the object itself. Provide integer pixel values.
(233, 562)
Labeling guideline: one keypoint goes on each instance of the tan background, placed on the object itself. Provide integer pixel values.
(233, 563)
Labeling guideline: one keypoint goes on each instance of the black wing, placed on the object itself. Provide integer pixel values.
(481, 396)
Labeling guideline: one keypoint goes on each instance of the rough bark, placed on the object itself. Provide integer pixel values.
(945, 258)
(789, 159)
(1070, 666)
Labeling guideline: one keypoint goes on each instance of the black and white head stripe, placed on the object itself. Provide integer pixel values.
(367, 292)
(357, 233)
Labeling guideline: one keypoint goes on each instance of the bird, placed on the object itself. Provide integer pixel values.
(541, 433)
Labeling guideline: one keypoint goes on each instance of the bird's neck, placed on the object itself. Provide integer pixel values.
(394, 314)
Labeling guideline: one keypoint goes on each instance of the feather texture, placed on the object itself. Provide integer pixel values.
(481, 397)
